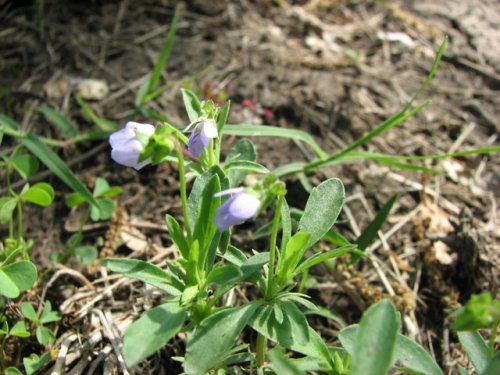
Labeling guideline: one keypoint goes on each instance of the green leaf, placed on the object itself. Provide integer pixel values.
(242, 150)
(101, 186)
(44, 335)
(25, 164)
(164, 55)
(264, 322)
(103, 124)
(33, 363)
(19, 330)
(322, 209)
(250, 130)
(245, 165)
(286, 225)
(195, 197)
(107, 208)
(152, 331)
(41, 194)
(66, 127)
(74, 199)
(210, 343)
(7, 207)
(376, 340)
(481, 311)
(16, 278)
(192, 105)
(205, 229)
(493, 366)
(29, 312)
(476, 349)
(370, 233)
(322, 257)
(294, 252)
(462, 371)
(282, 364)
(146, 272)
(224, 275)
(111, 192)
(57, 166)
(221, 121)
(48, 315)
(408, 355)
(86, 254)
(12, 371)
(177, 236)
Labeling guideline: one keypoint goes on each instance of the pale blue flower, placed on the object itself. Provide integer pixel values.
(126, 146)
(237, 209)
(199, 139)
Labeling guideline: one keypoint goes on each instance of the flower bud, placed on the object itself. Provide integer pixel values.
(127, 144)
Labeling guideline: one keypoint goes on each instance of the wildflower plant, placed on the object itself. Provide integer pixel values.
(197, 285)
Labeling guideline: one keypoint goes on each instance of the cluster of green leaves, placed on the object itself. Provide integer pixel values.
(44, 335)
(480, 312)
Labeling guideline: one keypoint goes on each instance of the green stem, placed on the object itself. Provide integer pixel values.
(182, 184)
(493, 337)
(19, 220)
(260, 350)
(272, 249)
(9, 190)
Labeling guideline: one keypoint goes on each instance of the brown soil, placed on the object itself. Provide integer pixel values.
(321, 66)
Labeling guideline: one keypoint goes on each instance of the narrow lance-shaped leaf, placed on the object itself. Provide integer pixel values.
(64, 125)
(57, 166)
(144, 271)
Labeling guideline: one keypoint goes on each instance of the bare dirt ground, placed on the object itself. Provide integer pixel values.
(331, 68)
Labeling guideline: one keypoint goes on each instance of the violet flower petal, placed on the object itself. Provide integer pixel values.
(125, 146)
(237, 209)
(200, 137)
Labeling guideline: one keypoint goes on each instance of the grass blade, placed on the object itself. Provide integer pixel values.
(66, 127)
(250, 130)
(162, 60)
(57, 166)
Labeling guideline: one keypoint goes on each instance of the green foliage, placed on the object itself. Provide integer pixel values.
(481, 311)
(322, 209)
(41, 194)
(375, 340)
(271, 131)
(149, 90)
(146, 272)
(62, 124)
(25, 164)
(152, 331)
(218, 332)
(7, 207)
(16, 278)
(33, 363)
(476, 348)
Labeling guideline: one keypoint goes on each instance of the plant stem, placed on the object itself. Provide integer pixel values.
(19, 220)
(493, 337)
(260, 350)
(9, 190)
(182, 184)
(272, 248)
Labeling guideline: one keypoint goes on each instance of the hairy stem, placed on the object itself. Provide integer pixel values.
(272, 248)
